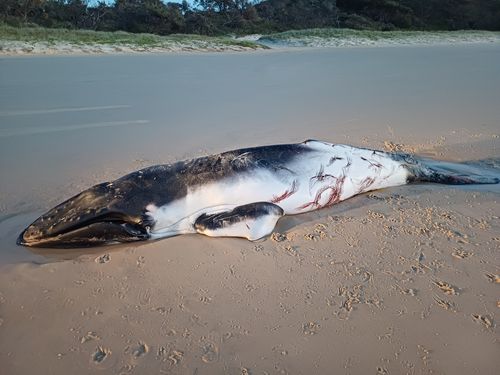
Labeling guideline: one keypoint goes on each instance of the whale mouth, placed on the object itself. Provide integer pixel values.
(85, 235)
(91, 218)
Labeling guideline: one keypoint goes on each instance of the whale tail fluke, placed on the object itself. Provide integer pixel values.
(449, 173)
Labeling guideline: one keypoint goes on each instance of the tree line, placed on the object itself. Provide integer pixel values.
(213, 17)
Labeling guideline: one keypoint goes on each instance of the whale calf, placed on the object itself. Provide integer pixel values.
(240, 193)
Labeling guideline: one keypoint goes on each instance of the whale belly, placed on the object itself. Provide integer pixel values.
(325, 175)
(179, 216)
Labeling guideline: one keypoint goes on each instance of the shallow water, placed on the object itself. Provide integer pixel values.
(69, 122)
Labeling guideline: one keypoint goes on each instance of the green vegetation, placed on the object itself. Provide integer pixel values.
(41, 34)
(161, 25)
(222, 17)
(344, 36)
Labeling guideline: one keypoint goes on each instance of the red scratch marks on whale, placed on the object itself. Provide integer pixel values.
(293, 189)
(335, 192)
(365, 184)
(317, 198)
(320, 177)
(335, 189)
(373, 164)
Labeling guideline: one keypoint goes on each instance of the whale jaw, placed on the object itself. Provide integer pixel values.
(92, 218)
(95, 234)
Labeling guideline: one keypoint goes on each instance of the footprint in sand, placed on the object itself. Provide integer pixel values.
(446, 288)
(89, 337)
(278, 237)
(447, 305)
(175, 357)
(310, 237)
(461, 254)
(210, 353)
(141, 261)
(482, 319)
(140, 350)
(408, 291)
(310, 328)
(258, 248)
(145, 296)
(100, 354)
(126, 369)
(104, 258)
(492, 278)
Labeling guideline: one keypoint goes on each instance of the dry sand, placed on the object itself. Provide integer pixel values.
(399, 281)
(22, 48)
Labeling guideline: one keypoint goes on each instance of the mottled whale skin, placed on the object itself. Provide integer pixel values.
(240, 193)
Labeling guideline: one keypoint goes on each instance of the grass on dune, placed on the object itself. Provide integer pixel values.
(323, 36)
(41, 34)
(374, 35)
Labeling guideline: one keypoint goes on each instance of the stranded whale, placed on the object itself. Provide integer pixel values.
(240, 193)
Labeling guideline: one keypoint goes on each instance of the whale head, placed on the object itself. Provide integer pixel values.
(103, 214)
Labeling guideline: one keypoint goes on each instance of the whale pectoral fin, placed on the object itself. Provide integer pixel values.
(252, 221)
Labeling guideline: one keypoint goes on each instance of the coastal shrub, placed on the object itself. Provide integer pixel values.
(219, 17)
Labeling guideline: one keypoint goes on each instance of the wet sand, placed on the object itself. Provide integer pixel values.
(403, 280)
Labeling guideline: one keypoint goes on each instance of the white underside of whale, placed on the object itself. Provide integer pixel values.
(327, 175)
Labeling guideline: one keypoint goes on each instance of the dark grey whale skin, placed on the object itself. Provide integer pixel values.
(115, 211)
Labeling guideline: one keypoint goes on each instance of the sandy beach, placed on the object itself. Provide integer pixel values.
(399, 281)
